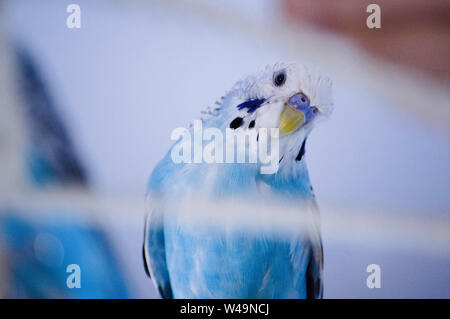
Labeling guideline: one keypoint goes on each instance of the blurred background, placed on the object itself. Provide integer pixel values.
(85, 114)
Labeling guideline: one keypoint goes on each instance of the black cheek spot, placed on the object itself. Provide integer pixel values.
(301, 152)
(237, 122)
(252, 124)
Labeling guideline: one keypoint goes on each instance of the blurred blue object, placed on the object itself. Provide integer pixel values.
(51, 156)
(36, 252)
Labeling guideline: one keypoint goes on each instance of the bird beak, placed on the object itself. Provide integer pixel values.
(290, 119)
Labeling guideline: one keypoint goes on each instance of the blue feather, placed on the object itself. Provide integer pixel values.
(251, 105)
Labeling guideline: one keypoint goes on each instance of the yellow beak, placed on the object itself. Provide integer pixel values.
(290, 120)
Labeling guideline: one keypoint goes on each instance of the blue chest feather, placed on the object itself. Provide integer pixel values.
(212, 263)
(199, 260)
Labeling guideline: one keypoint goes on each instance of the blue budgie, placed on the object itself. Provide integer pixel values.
(232, 213)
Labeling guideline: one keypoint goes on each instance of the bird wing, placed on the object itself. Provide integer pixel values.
(306, 248)
(306, 258)
(314, 285)
(154, 252)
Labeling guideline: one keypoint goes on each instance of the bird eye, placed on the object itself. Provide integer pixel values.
(279, 78)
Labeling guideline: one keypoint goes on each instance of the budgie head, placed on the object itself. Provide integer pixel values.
(290, 97)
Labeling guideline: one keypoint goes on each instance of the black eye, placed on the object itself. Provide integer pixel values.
(279, 78)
